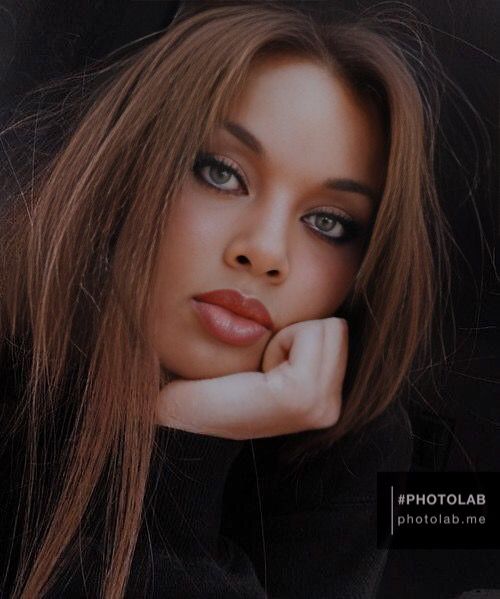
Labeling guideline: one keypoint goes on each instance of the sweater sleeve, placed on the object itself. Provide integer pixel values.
(181, 552)
(313, 533)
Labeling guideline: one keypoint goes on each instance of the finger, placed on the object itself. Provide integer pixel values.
(336, 346)
(306, 352)
(294, 343)
(334, 361)
(238, 406)
(275, 353)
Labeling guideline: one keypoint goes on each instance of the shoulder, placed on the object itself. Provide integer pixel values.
(384, 444)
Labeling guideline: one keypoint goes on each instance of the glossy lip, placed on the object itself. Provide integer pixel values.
(228, 326)
(234, 301)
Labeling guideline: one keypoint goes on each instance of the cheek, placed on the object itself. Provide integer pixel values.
(190, 239)
(327, 280)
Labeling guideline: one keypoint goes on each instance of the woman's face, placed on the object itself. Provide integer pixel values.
(277, 208)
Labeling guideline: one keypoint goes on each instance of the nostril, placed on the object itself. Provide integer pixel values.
(244, 260)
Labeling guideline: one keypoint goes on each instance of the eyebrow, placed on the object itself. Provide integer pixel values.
(343, 184)
(352, 186)
(245, 137)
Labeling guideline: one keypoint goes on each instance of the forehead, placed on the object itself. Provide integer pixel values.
(297, 107)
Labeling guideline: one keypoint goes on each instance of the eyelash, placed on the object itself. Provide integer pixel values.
(204, 160)
(351, 227)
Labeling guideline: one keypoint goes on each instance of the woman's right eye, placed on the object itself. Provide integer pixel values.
(219, 174)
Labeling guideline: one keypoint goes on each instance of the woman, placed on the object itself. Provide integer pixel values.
(245, 219)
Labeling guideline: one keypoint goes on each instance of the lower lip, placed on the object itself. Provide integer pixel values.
(227, 326)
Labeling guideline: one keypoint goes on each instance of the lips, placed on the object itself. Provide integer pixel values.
(235, 302)
(232, 318)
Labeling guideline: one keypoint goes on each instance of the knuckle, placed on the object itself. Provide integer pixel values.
(301, 407)
(325, 415)
(312, 412)
(342, 324)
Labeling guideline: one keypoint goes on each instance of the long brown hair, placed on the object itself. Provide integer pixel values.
(80, 244)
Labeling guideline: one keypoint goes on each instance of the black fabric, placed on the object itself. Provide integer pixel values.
(223, 518)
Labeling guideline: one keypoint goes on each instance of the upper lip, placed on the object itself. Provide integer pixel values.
(233, 300)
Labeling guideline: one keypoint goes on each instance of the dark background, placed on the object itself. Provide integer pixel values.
(456, 420)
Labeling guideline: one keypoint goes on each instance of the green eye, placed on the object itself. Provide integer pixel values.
(335, 228)
(218, 175)
(325, 223)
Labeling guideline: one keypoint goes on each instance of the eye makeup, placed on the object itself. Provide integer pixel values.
(222, 174)
(351, 229)
(208, 165)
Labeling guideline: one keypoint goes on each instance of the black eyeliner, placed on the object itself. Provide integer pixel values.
(204, 159)
(352, 228)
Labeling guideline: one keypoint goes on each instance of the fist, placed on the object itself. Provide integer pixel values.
(299, 388)
(305, 365)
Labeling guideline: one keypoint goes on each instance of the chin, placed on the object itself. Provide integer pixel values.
(213, 365)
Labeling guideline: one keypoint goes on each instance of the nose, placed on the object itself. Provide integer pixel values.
(259, 245)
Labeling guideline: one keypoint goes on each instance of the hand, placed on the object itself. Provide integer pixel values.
(299, 389)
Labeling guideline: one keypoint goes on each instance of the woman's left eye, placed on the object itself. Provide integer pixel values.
(334, 227)
(219, 174)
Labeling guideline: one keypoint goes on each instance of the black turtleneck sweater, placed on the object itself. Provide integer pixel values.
(223, 519)
(227, 519)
